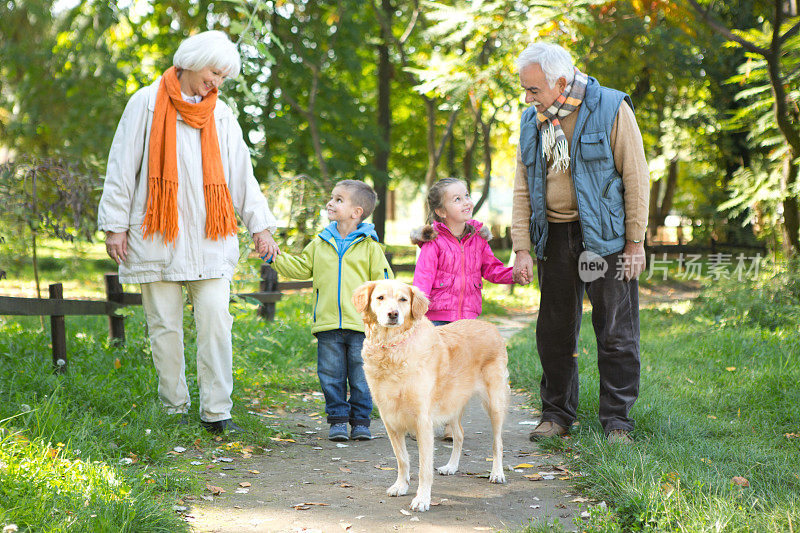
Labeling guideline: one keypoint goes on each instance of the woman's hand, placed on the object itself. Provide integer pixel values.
(117, 246)
(265, 245)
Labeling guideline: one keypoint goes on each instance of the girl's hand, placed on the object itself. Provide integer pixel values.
(266, 247)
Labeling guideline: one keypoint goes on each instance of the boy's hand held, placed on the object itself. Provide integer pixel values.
(266, 247)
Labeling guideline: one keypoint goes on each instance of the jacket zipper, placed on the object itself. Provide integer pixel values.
(316, 301)
(339, 280)
(463, 283)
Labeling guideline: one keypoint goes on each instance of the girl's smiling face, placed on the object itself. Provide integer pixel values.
(456, 204)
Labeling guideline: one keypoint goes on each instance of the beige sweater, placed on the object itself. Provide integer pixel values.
(562, 206)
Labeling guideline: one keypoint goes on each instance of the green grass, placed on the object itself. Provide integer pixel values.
(91, 450)
(719, 399)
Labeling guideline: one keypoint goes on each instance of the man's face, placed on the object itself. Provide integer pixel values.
(537, 91)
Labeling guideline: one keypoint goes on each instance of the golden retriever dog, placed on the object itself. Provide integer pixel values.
(422, 376)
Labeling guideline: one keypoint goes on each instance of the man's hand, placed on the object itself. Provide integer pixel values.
(634, 260)
(523, 267)
(265, 245)
(117, 246)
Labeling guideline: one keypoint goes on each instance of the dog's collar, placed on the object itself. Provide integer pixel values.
(397, 342)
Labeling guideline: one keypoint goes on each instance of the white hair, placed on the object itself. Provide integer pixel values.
(208, 49)
(554, 60)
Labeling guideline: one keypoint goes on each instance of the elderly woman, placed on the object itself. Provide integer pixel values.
(178, 169)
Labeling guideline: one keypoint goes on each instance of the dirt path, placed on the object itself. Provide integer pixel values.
(343, 487)
(351, 481)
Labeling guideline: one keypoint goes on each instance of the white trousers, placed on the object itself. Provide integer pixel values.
(163, 309)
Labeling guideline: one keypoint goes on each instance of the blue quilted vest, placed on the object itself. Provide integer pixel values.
(598, 185)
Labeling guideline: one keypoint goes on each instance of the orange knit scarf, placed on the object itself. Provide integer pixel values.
(162, 186)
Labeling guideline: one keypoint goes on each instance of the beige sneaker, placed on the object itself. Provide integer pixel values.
(548, 429)
(619, 436)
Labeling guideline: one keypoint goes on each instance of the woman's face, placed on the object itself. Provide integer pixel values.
(201, 82)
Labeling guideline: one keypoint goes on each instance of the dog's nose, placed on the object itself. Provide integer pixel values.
(392, 315)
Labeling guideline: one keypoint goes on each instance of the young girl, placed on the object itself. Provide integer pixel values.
(455, 256)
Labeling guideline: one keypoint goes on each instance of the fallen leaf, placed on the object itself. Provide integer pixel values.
(730, 368)
(278, 439)
(791, 435)
(345, 526)
(741, 481)
(533, 477)
(407, 513)
(345, 470)
(379, 467)
(245, 484)
(580, 499)
(301, 507)
(254, 471)
(712, 417)
(524, 465)
(216, 491)
(346, 485)
(117, 363)
(179, 449)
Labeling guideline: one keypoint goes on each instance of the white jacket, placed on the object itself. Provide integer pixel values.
(122, 207)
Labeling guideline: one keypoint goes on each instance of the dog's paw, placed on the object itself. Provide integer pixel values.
(447, 470)
(398, 489)
(421, 503)
(497, 477)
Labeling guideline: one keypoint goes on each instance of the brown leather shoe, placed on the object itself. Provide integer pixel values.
(547, 429)
(619, 436)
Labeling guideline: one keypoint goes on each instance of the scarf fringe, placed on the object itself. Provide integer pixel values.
(561, 156)
(219, 202)
(161, 215)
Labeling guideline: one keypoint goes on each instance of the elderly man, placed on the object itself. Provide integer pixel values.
(580, 201)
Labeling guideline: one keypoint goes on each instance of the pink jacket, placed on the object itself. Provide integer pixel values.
(450, 272)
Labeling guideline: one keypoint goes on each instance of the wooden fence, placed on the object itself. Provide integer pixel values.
(57, 308)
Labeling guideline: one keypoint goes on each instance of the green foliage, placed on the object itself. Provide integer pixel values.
(88, 450)
(718, 400)
(770, 303)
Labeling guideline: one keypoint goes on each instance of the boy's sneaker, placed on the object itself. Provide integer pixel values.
(338, 432)
(360, 433)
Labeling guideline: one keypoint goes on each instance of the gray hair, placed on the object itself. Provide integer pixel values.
(554, 60)
(208, 49)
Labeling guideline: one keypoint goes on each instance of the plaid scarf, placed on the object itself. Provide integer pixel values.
(554, 142)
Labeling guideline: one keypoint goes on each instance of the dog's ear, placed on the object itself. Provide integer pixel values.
(362, 295)
(419, 303)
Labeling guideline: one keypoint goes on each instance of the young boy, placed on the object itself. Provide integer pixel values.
(342, 257)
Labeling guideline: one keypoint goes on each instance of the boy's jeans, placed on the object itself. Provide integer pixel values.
(339, 362)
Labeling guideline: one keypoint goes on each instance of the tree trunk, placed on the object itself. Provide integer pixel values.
(669, 191)
(384, 124)
(435, 152)
(661, 205)
(486, 130)
(430, 141)
(791, 215)
(469, 155)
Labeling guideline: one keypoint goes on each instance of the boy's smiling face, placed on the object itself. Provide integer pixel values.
(340, 207)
